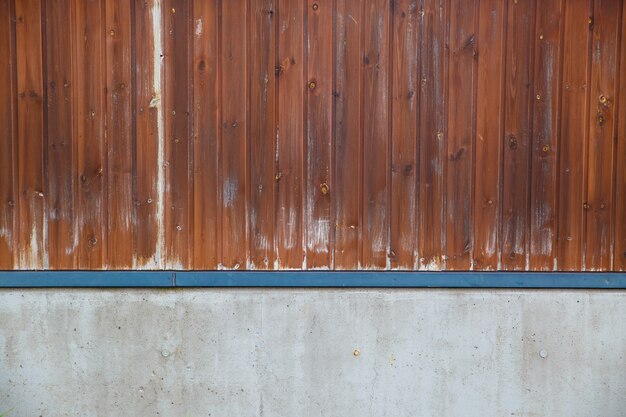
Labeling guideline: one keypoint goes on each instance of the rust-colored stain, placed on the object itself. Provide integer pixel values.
(300, 134)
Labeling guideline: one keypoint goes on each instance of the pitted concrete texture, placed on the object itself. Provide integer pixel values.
(300, 353)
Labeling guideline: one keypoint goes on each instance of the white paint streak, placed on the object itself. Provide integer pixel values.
(199, 27)
(157, 103)
(230, 191)
(318, 235)
(7, 234)
(434, 264)
(289, 238)
(29, 257)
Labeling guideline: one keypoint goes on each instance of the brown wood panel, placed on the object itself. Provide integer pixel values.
(347, 135)
(405, 121)
(344, 134)
(546, 115)
(518, 134)
(178, 138)
(376, 122)
(489, 128)
(207, 211)
(461, 126)
(62, 144)
(8, 166)
(119, 240)
(620, 186)
(262, 132)
(602, 134)
(234, 146)
(89, 122)
(32, 238)
(319, 187)
(432, 134)
(574, 133)
(149, 135)
(290, 135)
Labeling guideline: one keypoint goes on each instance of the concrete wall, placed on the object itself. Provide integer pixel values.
(293, 353)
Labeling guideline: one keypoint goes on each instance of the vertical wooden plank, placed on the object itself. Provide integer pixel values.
(206, 125)
(120, 213)
(546, 116)
(289, 147)
(178, 137)
(432, 139)
(620, 187)
(602, 131)
(89, 113)
(150, 147)
(234, 134)
(347, 134)
(30, 136)
(404, 127)
(8, 166)
(319, 133)
(517, 137)
(375, 131)
(461, 125)
(574, 134)
(489, 127)
(62, 86)
(262, 64)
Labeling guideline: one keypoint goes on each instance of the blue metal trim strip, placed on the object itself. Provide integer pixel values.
(389, 279)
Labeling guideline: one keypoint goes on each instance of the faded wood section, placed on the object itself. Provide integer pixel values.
(283, 134)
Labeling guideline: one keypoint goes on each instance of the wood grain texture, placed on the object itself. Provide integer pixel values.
(572, 150)
(313, 134)
(347, 187)
(432, 135)
(546, 116)
(319, 186)
(149, 136)
(461, 126)
(489, 129)
(602, 135)
(62, 89)
(375, 102)
(405, 124)
(31, 137)
(234, 146)
(290, 136)
(177, 135)
(620, 186)
(8, 145)
(206, 88)
(120, 240)
(90, 140)
(518, 134)
(262, 133)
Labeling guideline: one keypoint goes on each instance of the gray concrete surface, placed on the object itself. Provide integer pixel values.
(249, 352)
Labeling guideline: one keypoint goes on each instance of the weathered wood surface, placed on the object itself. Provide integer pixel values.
(316, 134)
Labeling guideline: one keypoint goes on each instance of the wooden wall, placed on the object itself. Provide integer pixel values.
(303, 134)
